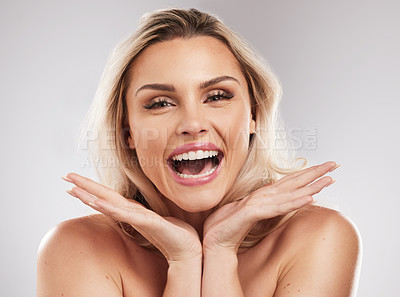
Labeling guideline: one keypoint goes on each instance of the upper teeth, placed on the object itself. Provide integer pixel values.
(195, 155)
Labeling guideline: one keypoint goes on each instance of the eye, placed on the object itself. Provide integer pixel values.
(218, 95)
(158, 103)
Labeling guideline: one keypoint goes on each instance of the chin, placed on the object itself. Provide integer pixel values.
(198, 208)
(197, 202)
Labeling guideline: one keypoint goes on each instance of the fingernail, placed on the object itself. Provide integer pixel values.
(332, 181)
(67, 179)
(93, 204)
(336, 167)
(71, 193)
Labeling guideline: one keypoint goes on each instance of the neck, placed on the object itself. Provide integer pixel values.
(195, 219)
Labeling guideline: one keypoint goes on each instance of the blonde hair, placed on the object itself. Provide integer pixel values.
(266, 161)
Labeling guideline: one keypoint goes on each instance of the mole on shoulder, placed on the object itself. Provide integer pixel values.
(288, 284)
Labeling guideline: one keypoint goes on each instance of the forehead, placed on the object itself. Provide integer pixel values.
(193, 59)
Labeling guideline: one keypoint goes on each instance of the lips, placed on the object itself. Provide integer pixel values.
(195, 163)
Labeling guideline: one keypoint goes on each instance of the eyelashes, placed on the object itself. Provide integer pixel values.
(218, 95)
(211, 97)
(159, 103)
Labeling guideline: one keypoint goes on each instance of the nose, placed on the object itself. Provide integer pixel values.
(192, 121)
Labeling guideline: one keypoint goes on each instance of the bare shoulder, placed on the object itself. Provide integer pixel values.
(78, 248)
(320, 223)
(79, 239)
(89, 236)
(324, 246)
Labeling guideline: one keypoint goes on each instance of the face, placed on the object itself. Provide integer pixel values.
(190, 119)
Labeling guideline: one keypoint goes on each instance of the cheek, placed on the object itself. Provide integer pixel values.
(235, 129)
(150, 144)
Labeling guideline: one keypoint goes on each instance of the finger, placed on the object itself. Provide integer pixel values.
(131, 212)
(98, 190)
(287, 197)
(275, 208)
(152, 226)
(295, 174)
(289, 206)
(287, 202)
(134, 216)
(304, 178)
(82, 195)
(87, 198)
(289, 176)
(308, 190)
(313, 188)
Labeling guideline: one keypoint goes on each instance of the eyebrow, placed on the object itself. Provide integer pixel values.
(157, 87)
(216, 80)
(171, 88)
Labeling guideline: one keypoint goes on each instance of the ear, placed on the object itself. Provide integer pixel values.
(252, 126)
(130, 141)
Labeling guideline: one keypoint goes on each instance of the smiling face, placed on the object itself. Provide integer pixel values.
(190, 119)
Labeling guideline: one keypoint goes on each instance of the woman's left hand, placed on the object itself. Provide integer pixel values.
(226, 228)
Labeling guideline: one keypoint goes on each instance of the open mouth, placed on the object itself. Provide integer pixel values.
(195, 164)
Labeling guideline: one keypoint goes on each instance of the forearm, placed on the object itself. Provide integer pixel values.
(220, 275)
(184, 279)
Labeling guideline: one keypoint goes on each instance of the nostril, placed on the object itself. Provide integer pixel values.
(202, 131)
(192, 125)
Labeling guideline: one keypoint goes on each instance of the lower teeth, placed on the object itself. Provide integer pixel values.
(182, 175)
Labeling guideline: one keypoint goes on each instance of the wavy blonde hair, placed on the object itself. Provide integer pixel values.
(107, 118)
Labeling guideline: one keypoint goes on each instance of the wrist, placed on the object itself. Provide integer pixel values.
(189, 271)
(220, 257)
(184, 278)
(219, 251)
(180, 257)
(184, 263)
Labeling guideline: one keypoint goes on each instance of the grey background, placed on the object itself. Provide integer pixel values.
(338, 62)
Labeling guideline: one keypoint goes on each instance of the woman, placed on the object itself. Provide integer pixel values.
(198, 202)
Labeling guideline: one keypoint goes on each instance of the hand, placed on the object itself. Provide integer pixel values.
(226, 228)
(175, 239)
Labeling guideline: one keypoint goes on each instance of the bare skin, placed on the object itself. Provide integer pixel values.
(315, 253)
(92, 257)
(87, 255)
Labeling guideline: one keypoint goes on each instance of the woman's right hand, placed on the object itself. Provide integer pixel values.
(175, 239)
